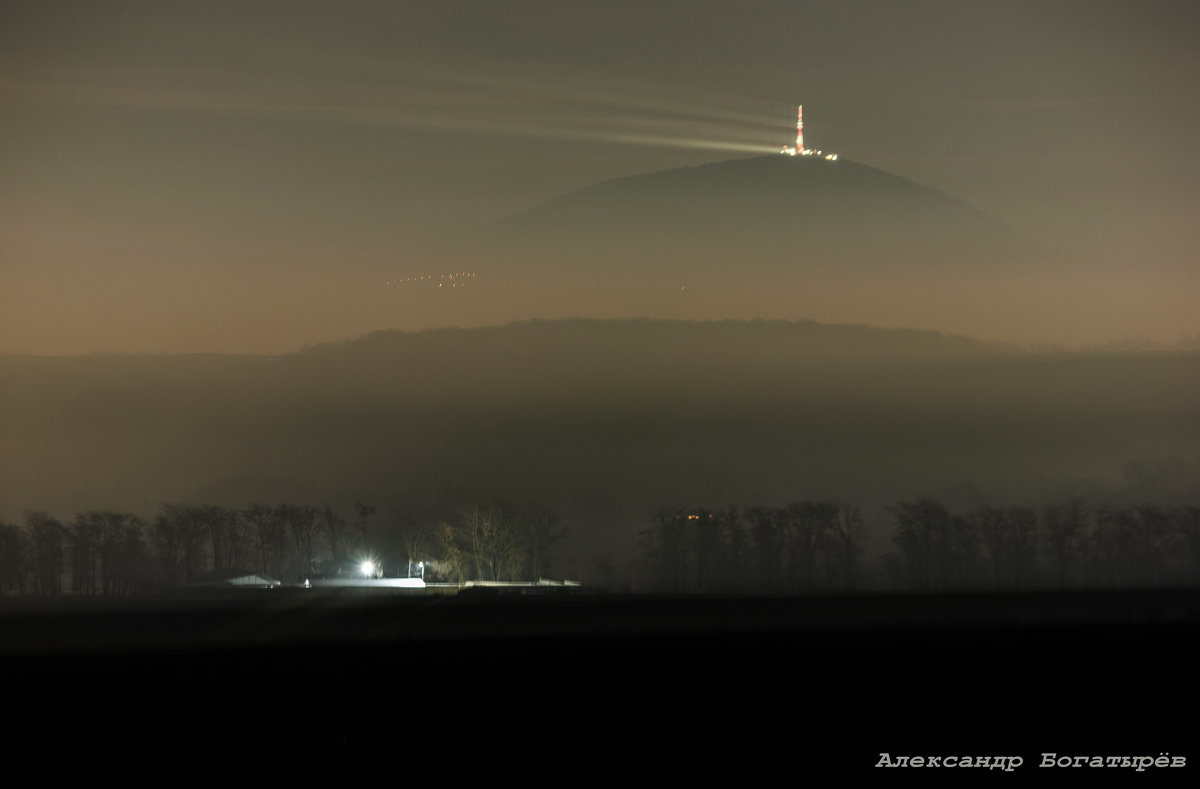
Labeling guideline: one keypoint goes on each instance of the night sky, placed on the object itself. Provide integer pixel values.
(244, 177)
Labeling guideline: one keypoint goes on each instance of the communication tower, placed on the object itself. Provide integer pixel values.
(800, 130)
(798, 149)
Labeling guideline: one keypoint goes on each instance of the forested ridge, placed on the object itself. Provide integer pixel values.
(805, 547)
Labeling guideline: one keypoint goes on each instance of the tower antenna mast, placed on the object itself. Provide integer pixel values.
(800, 130)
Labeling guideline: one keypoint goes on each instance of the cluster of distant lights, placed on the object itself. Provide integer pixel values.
(788, 150)
(456, 279)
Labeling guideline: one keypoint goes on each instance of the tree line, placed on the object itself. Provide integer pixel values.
(813, 546)
(101, 552)
(802, 547)
(797, 548)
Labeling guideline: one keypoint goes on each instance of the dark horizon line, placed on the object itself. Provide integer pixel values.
(1127, 345)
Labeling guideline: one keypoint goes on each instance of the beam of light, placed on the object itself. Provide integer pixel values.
(700, 108)
(453, 104)
(486, 76)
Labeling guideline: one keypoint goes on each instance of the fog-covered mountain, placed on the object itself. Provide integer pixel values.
(598, 419)
(770, 237)
(785, 213)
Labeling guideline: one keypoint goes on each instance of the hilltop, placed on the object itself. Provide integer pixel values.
(771, 237)
(788, 213)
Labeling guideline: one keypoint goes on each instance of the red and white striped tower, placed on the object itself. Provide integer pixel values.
(800, 130)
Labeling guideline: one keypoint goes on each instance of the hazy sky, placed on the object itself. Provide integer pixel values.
(241, 176)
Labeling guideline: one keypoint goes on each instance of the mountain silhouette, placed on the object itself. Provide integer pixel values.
(770, 237)
(776, 213)
(643, 411)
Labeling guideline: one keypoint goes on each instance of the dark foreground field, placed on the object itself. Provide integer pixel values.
(429, 690)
